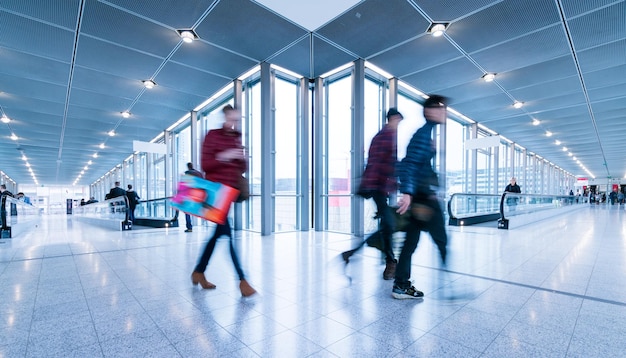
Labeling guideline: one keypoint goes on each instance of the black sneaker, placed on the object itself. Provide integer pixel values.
(405, 293)
(189, 230)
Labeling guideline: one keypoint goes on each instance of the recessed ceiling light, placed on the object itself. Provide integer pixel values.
(126, 114)
(5, 119)
(536, 122)
(28, 164)
(101, 145)
(89, 162)
(518, 104)
(149, 84)
(575, 158)
(85, 168)
(548, 133)
(437, 29)
(565, 149)
(187, 35)
(14, 137)
(557, 142)
(111, 133)
(24, 157)
(570, 154)
(95, 155)
(488, 77)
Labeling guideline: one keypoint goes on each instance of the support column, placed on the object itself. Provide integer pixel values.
(319, 150)
(474, 173)
(304, 197)
(267, 150)
(356, 167)
(238, 101)
(193, 128)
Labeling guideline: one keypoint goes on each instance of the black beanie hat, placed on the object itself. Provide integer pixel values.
(435, 100)
(393, 111)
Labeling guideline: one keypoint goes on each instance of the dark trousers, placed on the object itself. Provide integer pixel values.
(220, 230)
(188, 222)
(131, 214)
(385, 229)
(435, 225)
(386, 224)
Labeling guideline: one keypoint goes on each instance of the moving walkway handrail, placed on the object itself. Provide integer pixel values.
(159, 208)
(113, 209)
(14, 211)
(514, 204)
(473, 205)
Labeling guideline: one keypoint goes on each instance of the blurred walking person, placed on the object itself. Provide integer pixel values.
(223, 161)
(190, 171)
(378, 182)
(418, 185)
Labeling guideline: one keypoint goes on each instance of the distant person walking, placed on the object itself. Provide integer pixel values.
(133, 200)
(190, 171)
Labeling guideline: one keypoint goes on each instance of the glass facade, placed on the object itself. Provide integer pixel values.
(326, 152)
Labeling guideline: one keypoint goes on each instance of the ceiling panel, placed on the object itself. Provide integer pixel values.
(537, 47)
(230, 28)
(110, 24)
(399, 19)
(36, 38)
(175, 13)
(439, 78)
(414, 58)
(448, 10)
(123, 42)
(503, 22)
(215, 60)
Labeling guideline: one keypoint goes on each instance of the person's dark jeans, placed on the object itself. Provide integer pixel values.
(386, 224)
(220, 230)
(131, 214)
(435, 225)
(188, 222)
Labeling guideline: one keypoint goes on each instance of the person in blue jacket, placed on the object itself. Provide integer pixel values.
(418, 185)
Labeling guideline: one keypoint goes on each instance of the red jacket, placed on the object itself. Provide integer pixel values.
(229, 172)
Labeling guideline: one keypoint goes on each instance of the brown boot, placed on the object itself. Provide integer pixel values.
(390, 270)
(198, 278)
(246, 289)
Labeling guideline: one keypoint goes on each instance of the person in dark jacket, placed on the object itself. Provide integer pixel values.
(190, 171)
(512, 187)
(116, 191)
(223, 161)
(377, 182)
(418, 183)
(133, 199)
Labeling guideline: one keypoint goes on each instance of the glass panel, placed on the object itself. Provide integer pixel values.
(413, 114)
(286, 209)
(339, 146)
(455, 157)
(503, 168)
(252, 141)
(373, 122)
(183, 151)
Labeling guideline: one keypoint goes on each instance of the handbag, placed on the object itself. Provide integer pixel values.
(244, 189)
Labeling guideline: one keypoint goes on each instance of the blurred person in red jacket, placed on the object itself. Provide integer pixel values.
(223, 161)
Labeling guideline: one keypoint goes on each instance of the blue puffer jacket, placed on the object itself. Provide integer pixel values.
(415, 170)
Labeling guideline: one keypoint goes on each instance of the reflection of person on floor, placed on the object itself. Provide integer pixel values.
(418, 183)
(223, 161)
(377, 182)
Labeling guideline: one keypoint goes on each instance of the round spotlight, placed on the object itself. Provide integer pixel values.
(536, 122)
(437, 30)
(111, 133)
(518, 104)
(5, 119)
(14, 137)
(126, 114)
(488, 77)
(548, 134)
(149, 84)
(187, 36)
(101, 146)
(95, 155)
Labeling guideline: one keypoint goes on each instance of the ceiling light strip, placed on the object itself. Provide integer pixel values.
(582, 81)
(79, 21)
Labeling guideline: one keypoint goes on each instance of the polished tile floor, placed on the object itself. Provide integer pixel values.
(552, 289)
